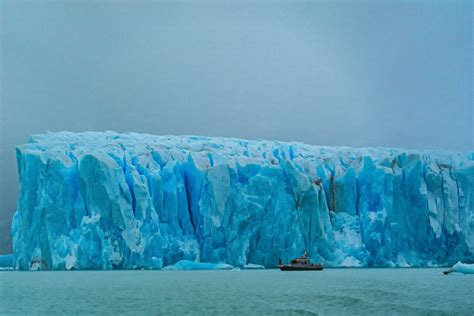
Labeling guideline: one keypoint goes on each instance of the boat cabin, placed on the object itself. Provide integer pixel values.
(302, 263)
(303, 260)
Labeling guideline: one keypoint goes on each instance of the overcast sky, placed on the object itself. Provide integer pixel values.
(345, 73)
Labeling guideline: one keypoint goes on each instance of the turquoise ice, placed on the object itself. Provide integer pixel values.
(103, 200)
(463, 268)
(6, 261)
(193, 265)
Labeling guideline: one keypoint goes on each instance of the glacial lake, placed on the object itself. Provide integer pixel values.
(244, 292)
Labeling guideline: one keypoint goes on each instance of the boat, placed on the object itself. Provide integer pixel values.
(300, 264)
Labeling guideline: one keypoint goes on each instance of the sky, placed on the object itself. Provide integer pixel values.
(352, 73)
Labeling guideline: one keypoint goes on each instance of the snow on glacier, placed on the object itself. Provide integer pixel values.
(103, 200)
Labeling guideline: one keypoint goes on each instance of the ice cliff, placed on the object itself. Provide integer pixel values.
(103, 200)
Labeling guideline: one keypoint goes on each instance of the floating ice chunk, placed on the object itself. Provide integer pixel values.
(194, 265)
(253, 266)
(461, 268)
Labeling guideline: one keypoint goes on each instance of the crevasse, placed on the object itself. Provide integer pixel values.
(103, 200)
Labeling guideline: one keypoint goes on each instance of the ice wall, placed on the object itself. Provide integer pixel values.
(103, 200)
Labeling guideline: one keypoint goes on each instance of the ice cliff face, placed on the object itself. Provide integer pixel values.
(118, 201)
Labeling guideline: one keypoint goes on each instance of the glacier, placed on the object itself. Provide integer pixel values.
(6, 262)
(107, 200)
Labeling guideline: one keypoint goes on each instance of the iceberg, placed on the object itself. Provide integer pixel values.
(105, 200)
(460, 267)
(193, 265)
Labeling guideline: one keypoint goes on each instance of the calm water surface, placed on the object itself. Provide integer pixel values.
(258, 292)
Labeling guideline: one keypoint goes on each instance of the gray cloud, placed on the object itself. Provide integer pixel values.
(374, 74)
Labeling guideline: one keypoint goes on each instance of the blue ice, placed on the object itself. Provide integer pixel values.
(104, 200)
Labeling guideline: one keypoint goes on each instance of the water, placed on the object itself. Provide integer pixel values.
(257, 292)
